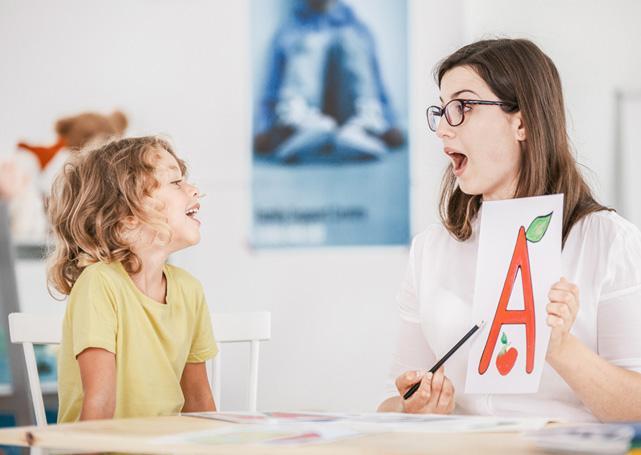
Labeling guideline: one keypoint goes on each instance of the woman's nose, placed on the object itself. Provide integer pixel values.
(444, 129)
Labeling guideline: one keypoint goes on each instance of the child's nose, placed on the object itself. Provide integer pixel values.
(192, 190)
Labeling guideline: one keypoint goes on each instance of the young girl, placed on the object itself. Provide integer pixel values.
(502, 124)
(137, 330)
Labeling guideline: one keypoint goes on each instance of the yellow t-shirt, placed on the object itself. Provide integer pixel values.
(152, 341)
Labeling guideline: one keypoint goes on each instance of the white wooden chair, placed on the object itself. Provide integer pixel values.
(30, 329)
(252, 327)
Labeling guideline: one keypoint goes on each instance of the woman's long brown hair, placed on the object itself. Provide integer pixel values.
(520, 74)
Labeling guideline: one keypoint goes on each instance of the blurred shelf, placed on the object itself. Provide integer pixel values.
(31, 251)
(48, 387)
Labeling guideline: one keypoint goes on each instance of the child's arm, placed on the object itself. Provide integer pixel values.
(196, 390)
(98, 375)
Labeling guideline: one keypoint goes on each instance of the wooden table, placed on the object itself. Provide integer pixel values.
(137, 435)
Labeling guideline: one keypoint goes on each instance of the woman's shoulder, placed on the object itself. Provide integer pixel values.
(607, 226)
(431, 236)
(616, 244)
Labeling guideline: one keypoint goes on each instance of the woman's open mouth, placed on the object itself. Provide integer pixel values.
(459, 161)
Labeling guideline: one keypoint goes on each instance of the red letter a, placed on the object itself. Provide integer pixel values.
(520, 260)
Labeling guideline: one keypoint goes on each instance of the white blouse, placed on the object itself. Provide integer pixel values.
(602, 256)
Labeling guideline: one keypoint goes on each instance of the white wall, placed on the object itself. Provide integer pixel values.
(596, 46)
(182, 68)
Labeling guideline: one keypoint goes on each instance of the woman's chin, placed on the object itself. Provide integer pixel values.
(469, 189)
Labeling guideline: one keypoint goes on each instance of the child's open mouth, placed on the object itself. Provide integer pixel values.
(192, 212)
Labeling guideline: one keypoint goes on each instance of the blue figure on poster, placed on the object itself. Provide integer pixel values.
(324, 98)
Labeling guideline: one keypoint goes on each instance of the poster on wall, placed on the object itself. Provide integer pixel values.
(330, 106)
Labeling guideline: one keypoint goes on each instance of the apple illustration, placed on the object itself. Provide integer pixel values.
(507, 357)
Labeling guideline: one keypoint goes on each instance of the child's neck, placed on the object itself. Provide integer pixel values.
(150, 279)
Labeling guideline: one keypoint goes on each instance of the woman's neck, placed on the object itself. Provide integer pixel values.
(505, 191)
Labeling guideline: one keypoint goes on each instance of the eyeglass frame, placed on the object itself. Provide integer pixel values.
(464, 103)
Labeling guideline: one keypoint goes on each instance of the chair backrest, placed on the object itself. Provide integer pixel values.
(30, 329)
(252, 327)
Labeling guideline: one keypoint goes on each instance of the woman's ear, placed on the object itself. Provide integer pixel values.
(518, 127)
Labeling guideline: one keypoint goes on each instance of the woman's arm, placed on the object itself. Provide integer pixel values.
(610, 392)
(98, 375)
(196, 389)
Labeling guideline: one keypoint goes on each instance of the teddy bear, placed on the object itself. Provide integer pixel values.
(33, 168)
(74, 132)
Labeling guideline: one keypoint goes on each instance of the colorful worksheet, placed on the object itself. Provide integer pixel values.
(519, 259)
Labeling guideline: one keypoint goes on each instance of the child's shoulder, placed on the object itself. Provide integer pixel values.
(183, 278)
(99, 278)
(101, 271)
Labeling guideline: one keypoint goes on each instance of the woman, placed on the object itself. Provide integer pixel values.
(502, 123)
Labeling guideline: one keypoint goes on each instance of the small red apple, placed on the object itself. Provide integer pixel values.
(505, 360)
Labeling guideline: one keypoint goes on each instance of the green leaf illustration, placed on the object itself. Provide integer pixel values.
(537, 228)
(503, 338)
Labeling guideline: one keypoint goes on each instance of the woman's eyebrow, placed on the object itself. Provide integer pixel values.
(458, 93)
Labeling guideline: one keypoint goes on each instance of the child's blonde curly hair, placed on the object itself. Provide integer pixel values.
(96, 194)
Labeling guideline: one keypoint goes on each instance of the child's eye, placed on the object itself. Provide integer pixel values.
(177, 182)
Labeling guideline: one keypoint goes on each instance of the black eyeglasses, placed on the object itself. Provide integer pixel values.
(454, 111)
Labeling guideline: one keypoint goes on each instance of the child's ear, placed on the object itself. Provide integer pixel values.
(129, 228)
(518, 126)
(130, 222)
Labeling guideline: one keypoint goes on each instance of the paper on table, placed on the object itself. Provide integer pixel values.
(264, 434)
(266, 417)
(433, 423)
(377, 422)
(584, 438)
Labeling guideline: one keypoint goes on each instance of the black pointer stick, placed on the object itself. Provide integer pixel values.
(438, 364)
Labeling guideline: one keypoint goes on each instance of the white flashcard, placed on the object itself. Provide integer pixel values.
(519, 259)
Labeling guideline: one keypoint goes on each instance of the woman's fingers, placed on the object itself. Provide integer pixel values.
(434, 395)
(570, 290)
(554, 321)
(436, 387)
(560, 310)
(446, 399)
(407, 380)
(418, 401)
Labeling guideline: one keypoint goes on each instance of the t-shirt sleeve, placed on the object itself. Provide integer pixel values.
(93, 314)
(619, 310)
(412, 351)
(203, 345)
